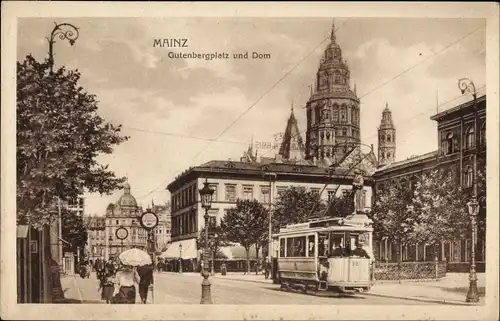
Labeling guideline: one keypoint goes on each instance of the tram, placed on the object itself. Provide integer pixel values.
(319, 255)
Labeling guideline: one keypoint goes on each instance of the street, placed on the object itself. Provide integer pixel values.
(175, 288)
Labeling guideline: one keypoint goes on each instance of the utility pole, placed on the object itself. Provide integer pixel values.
(272, 178)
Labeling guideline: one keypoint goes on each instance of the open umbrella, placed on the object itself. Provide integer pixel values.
(135, 257)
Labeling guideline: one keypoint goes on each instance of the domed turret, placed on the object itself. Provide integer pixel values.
(127, 200)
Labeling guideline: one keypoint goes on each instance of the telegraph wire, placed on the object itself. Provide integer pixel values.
(296, 65)
(255, 103)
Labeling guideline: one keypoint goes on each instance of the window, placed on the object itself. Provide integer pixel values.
(382, 137)
(449, 143)
(388, 138)
(282, 247)
(212, 221)
(335, 114)
(388, 155)
(280, 190)
(331, 195)
(296, 246)
(214, 187)
(344, 131)
(315, 190)
(117, 222)
(468, 177)
(469, 138)
(264, 194)
(230, 193)
(247, 192)
(345, 192)
(311, 246)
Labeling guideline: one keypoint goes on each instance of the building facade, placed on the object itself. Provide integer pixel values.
(461, 131)
(163, 230)
(96, 237)
(125, 213)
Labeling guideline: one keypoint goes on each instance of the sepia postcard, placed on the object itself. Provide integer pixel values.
(249, 161)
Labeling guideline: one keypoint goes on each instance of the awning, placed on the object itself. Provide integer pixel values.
(174, 251)
(238, 252)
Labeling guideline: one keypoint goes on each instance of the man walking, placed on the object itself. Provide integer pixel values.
(146, 274)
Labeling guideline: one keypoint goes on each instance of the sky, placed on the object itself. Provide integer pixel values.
(172, 108)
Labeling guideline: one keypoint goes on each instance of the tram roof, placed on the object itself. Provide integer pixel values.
(330, 223)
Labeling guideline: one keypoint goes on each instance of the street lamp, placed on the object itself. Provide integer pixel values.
(180, 256)
(206, 202)
(63, 31)
(472, 296)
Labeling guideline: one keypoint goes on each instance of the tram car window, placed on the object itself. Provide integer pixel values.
(282, 247)
(312, 243)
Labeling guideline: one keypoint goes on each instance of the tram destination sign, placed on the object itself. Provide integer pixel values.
(149, 220)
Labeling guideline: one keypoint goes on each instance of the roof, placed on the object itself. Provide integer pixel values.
(256, 169)
(456, 108)
(408, 162)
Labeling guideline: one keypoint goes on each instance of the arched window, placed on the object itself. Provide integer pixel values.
(328, 135)
(335, 113)
(388, 138)
(382, 156)
(468, 176)
(382, 137)
(388, 155)
(469, 137)
(449, 143)
(344, 131)
(327, 153)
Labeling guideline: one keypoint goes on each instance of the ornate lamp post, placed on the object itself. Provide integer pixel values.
(472, 296)
(206, 202)
(467, 86)
(63, 31)
(180, 258)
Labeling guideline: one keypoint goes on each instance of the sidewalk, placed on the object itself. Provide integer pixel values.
(237, 276)
(450, 290)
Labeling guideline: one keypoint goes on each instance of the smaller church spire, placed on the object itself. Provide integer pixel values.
(386, 106)
(333, 38)
(291, 108)
(355, 88)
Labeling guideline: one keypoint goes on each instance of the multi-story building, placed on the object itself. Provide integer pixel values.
(163, 229)
(96, 237)
(125, 213)
(459, 144)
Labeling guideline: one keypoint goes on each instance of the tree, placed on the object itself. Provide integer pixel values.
(341, 206)
(392, 216)
(59, 136)
(245, 224)
(441, 208)
(73, 231)
(294, 205)
(215, 242)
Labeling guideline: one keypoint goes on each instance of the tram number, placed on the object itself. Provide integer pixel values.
(354, 263)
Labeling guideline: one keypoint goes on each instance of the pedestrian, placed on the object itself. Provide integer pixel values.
(145, 273)
(125, 282)
(223, 268)
(267, 268)
(107, 285)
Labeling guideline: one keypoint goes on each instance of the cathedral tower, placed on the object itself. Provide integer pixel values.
(333, 113)
(386, 138)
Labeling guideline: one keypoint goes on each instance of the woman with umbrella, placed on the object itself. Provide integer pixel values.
(127, 278)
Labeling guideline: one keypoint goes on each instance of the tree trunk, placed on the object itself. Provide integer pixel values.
(257, 247)
(247, 249)
(399, 260)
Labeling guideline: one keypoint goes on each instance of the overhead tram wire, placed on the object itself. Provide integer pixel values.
(364, 95)
(255, 103)
(407, 119)
(411, 68)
